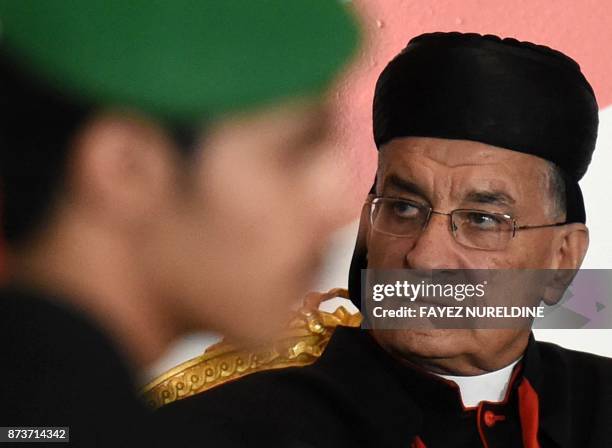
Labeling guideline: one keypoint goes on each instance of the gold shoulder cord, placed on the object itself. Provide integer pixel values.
(307, 335)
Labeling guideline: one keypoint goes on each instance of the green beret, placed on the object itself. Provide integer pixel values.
(180, 59)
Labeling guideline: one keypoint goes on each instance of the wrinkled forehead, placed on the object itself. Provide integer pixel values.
(445, 157)
(453, 153)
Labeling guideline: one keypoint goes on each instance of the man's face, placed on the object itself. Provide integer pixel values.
(242, 236)
(456, 174)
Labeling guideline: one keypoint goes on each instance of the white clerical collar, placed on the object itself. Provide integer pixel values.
(491, 386)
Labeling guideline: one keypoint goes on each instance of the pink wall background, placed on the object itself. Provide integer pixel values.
(580, 28)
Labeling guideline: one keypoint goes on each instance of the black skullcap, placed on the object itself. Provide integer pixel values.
(515, 95)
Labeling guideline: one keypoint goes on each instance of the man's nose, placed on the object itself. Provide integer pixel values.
(436, 247)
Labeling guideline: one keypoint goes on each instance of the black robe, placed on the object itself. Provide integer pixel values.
(58, 369)
(356, 395)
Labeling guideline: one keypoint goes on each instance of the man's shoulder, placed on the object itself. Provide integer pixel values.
(305, 366)
(250, 395)
(283, 407)
(61, 370)
(582, 370)
(575, 394)
(574, 359)
(328, 397)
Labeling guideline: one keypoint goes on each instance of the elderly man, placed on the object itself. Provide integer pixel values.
(482, 142)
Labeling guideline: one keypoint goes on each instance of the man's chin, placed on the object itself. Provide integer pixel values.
(425, 343)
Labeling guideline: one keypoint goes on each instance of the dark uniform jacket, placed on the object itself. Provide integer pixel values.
(357, 395)
(58, 369)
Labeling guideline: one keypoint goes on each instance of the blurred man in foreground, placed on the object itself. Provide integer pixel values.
(482, 142)
(165, 168)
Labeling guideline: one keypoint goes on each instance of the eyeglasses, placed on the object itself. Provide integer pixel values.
(471, 228)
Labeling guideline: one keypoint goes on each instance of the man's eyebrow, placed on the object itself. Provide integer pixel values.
(489, 197)
(404, 185)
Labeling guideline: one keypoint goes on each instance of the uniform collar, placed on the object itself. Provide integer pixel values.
(490, 386)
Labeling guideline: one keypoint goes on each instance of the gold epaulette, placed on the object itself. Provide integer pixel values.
(303, 343)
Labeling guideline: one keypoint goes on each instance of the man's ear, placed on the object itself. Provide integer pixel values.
(121, 168)
(572, 245)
